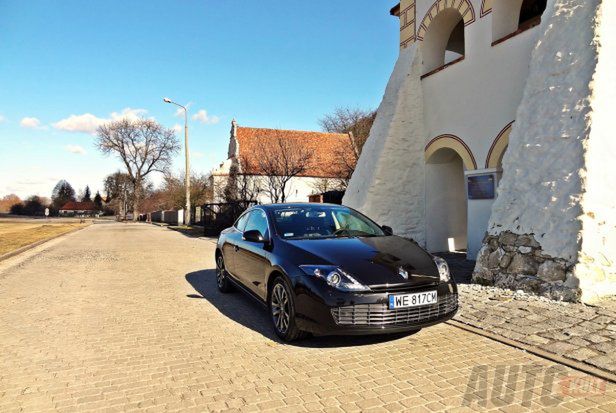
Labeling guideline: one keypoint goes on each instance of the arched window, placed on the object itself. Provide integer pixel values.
(444, 40)
(510, 17)
(531, 11)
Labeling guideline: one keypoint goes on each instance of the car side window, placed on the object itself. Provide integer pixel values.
(348, 221)
(258, 221)
(241, 222)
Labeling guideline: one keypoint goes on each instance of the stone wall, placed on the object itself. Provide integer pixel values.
(558, 180)
(517, 262)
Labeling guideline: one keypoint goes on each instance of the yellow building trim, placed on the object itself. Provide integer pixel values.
(454, 143)
(407, 14)
(499, 146)
(463, 6)
(486, 7)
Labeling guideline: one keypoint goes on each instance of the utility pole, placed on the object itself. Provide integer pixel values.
(187, 176)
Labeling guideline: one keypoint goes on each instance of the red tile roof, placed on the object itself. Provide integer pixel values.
(325, 148)
(78, 206)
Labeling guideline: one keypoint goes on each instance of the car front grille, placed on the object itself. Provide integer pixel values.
(381, 315)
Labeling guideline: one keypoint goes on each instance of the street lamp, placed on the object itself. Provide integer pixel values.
(187, 178)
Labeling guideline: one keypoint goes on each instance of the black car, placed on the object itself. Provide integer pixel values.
(327, 269)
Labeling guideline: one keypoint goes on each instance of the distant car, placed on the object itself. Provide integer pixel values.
(327, 269)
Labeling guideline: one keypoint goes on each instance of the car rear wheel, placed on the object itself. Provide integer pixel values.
(282, 311)
(222, 279)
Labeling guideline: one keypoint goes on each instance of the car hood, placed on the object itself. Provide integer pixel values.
(375, 261)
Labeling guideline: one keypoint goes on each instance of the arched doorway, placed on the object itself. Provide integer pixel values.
(446, 205)
(499, 146)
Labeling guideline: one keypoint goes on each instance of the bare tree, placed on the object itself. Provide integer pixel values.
(172, 193)
(143, 145)
(357, 124)
(119, 190)
(8, 201)
(278, 162)
(322, 185)
(242, 186)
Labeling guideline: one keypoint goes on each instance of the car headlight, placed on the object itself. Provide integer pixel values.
(443, 269)
(335, 277)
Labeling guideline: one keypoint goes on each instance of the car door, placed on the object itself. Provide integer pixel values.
(231, 245)
(252, 257)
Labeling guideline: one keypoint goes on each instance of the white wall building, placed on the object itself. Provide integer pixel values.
(247, 144)
(474, 78)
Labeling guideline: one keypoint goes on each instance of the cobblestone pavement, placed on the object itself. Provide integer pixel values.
(582, 333)
(121, 317)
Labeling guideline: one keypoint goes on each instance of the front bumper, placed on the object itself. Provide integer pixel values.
(332, 312)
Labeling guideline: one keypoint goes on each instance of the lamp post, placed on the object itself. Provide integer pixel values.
(187, 178)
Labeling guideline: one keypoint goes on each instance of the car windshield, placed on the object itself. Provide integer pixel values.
(315, 222)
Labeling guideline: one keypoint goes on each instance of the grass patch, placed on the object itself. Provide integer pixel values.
(15, 235)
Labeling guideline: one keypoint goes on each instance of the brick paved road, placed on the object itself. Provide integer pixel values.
(120, 316)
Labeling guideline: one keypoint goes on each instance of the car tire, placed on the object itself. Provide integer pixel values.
(281, 306)
(222, 278)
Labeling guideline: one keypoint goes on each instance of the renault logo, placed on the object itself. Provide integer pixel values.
(403, 273)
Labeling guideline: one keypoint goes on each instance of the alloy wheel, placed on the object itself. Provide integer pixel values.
(280, 308)
(220, 271)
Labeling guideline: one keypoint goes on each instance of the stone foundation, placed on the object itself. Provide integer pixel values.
(517, 262)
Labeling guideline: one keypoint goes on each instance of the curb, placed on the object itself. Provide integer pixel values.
(37, 243)
(576, 365)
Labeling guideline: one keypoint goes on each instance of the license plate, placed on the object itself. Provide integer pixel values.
(412, 300)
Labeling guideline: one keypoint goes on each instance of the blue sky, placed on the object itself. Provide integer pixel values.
(277, 64)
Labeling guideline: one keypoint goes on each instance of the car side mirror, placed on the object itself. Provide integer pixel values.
(387, 230)
(253, 235)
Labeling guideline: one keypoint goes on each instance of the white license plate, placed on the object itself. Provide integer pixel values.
(412, 300)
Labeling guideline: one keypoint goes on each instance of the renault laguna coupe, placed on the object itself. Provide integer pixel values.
(327, 269)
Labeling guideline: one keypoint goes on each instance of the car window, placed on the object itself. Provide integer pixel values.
(241, 222)
(323, 222)
(258, 221)
(351, 222)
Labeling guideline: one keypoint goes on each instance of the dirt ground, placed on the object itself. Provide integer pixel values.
(17, 233)
(121, 317)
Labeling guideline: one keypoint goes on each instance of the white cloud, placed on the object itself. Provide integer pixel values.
(197, 155)
(30, 122)
(129, 113)
(203, 117)
(75, 149)
(179, 112)
(177, 128)
(2, 119)
(88, 123)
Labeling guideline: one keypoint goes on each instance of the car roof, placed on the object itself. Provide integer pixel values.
(296, 205)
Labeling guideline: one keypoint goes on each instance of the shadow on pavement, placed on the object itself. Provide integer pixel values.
(246, 311)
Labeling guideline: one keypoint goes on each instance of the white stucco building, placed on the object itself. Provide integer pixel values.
(503, 94)
(247, 144)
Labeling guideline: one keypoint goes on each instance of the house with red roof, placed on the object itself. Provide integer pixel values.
(79, 209)
(326, 167)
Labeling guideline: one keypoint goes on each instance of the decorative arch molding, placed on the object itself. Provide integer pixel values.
(463, 6)
(486, 7)
(455, 143)
(499, 146)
